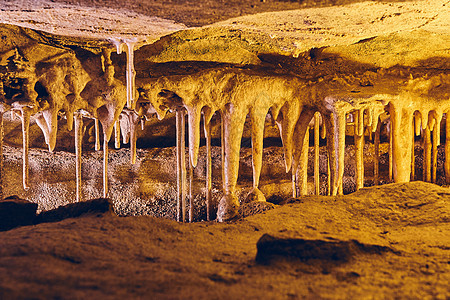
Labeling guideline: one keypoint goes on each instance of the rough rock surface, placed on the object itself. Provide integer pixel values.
(146, 257)
(96, 207)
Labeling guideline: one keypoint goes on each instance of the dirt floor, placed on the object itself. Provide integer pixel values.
(387, 242)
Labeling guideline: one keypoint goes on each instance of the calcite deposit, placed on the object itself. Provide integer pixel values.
(361, 65)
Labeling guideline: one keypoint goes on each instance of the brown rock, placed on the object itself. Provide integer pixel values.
(15, 212)
(74, 210)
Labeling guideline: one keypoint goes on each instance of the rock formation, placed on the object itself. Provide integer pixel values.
(357, 66)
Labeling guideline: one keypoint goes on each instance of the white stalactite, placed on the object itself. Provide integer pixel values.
(78, 118)
(131, 74)
(181, 166)
(105, 166)
(97, 134)
(25, 138)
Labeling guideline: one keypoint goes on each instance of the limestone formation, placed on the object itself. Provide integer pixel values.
(309, 72)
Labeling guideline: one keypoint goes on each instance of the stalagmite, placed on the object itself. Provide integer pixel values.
(181, 166)
(105, 166)
(316, 152)
(359, 150)
(117, 134)
(376, 157)
(97, 134)
(78, 145)
(447, 149)
(426, 155)
(25, 137)
(207, 127)
(303, 178)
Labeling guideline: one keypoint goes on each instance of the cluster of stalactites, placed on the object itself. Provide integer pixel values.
(235, 95)
(67, 93)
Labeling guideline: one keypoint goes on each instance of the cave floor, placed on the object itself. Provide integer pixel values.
(110, 257)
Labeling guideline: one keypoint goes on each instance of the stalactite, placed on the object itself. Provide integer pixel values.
(105, 166)
(194, 117)
(97, 134)
(417, 122)
(191, 191)
(257, 133)
(286, 122)
(51, 117)
(316, 152)
(207, 128)
(233, 121)
(304, 165)
(390, 153)
(78, 147)
(117, 134)
(340, 125)
(26, 111)
(413, 156)
(181, 166)
(302, 135)
(328, 176)
(359, 150)
(426, 155)
(401, 128)
(133, 120)
(323, 134)
(376, 158)
(294, 183)
(131, 74)
(435, 153)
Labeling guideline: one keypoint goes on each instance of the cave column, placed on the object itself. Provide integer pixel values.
(401, 129)
(233, 126)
